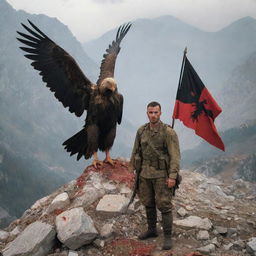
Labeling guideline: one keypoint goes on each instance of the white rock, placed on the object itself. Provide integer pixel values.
(72, 253)
(182, 212)
(109, 187)
(207, 249)
(203, 235)
(215, 242)
(59, 202)
(221, 230)
(88, 195)
(217, 193)
(3, 235)
(36, 239)
(194, 222)
(251, 246)
(106, 230)
(15, 231)
(125, 190)
(112, 204)
(189, 207)
(75, 228)
(227, 246)
(98, 243)
(39, 202)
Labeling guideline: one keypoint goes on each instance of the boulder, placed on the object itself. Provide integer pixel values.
(75, 228)
(112, 204)
(207, 249)
(36, 239)
(87, 196)
(3, 235)
(107, 230)
(251, 246)
(59, 202)
(182, 212)
(203, 235)
(194, 222)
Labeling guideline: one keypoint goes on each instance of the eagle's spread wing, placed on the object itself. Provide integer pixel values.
(109, 59)
(58, 69)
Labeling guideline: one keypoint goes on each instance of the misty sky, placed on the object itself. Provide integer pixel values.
(88, 19)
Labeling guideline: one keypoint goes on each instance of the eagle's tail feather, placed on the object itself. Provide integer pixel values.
(84, 143)
(77, 144)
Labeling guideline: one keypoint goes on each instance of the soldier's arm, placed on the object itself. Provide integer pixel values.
(174, 153)
(135, 149)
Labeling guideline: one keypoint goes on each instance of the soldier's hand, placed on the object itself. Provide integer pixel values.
(170, 183)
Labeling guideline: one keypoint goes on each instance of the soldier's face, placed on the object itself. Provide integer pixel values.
(154, 114)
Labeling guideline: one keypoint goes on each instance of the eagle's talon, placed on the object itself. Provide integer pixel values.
(110, 161)
(95, 163)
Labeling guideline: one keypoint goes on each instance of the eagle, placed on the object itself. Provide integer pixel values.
(63, 76)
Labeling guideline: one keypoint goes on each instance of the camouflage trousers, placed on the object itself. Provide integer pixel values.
(155, 193)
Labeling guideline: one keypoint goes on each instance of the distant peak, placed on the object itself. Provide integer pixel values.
(241, 22)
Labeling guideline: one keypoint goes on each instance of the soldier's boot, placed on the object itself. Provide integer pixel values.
(167, 228)
(151, 221)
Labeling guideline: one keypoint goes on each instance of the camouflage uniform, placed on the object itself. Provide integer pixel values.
(155, 168)
(165, 141)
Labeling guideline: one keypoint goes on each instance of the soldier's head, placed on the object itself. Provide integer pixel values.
(154, 112)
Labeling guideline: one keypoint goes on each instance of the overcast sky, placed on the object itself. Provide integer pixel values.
(88, 19)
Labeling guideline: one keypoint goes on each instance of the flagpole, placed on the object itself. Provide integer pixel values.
(181, 74)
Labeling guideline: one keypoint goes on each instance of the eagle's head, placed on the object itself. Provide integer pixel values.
(108, 86)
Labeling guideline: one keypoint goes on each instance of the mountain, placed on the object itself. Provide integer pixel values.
(238, 160)
(238, 94)
(149, 64)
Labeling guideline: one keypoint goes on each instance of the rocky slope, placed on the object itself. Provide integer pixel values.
(87, 217)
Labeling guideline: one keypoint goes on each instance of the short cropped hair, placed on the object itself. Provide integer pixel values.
(154, 104)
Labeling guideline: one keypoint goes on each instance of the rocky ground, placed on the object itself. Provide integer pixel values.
(87, 217)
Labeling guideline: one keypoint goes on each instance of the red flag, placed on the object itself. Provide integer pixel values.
(196, 107)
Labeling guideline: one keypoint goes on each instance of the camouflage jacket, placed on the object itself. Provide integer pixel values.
(165, 141)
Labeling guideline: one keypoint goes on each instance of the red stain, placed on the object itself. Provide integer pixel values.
(57, 211)
(133, 247)
(64, 218)
(118, 173)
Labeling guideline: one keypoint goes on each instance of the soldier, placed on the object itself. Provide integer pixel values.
(156, 159)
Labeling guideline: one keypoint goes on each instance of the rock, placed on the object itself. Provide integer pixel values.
(215, 242)
(59, 202)
(125, 190)
(251, 246)
(39, 202)
(3, 235)
(231, 232)
(98, 243)
(189, 207)
(107, 230)
(27, 243)
(75, 228)
(182, 212)
(113, 204)
(87, 196)
(238, 245)
(194, 222)
(221, 230)
(218, 194)
(109, 187)
(227, 247)
(203, 235)
(207, 249)
(72, 253)
(15, 231)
